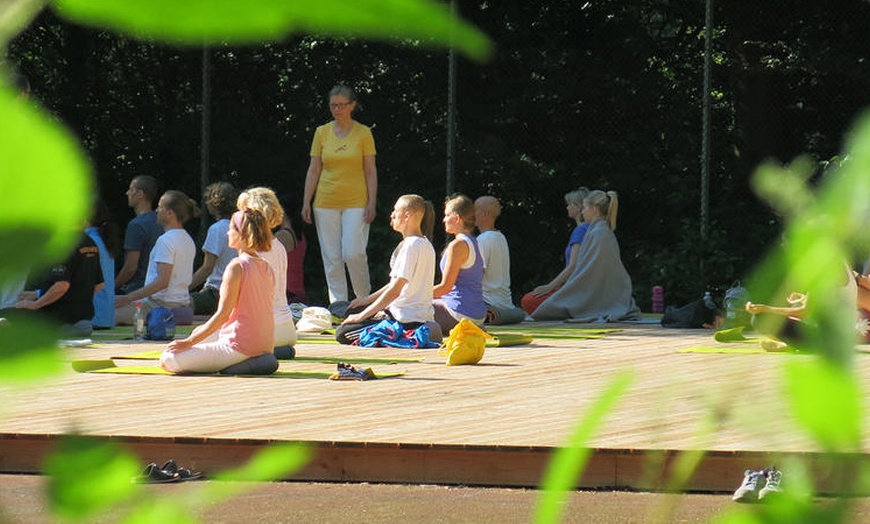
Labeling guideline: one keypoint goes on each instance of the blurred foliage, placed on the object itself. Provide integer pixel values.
(46, 187)
(87, 476)
(601, 94)
(569, 462)
(28, 349)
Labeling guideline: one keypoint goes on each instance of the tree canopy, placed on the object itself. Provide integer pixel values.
(603, 94)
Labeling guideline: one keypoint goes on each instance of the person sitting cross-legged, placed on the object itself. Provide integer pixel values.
(407, 297)
(242, 328)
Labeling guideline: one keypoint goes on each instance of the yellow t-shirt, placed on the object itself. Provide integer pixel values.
(342, 182)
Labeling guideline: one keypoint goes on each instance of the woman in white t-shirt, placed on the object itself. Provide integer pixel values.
(170, 263)
(407, 297)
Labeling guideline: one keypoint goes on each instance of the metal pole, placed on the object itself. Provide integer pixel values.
(705, 134)
(205, 134)
(451, 110)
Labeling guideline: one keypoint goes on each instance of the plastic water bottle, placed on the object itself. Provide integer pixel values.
(708, 300)
(138, 323)
(658, 299)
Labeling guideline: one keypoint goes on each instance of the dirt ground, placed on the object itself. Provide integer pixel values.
(22, 501)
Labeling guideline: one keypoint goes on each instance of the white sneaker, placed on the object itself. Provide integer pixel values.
(771, 488)
(753, 482)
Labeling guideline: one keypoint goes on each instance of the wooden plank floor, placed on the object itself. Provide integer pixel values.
(518, 398)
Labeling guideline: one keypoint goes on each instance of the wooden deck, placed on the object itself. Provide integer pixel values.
(495, 423)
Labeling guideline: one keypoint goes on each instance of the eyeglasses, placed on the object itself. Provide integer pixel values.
(339, 106)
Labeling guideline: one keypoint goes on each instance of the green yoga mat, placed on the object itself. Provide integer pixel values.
(734, 335)
(155, 355)
(108, 366)
(555, 333)
(736, 351)
(509, 339)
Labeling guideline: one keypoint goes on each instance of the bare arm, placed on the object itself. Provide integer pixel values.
(131, 262)
(209, 260)
(755, 309)
(312, 178)
(51, 295)
(385, 296)
(563, 275)
(365, 301)
(229, 297)
(456, 255)
(371, 174)
(164, 273)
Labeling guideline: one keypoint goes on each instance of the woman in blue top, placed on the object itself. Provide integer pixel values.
(537, 296)
(460, 293)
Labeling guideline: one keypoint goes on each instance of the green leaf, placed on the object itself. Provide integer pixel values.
(229, 21)
(45, 187)
(88, 475)
(161, 511)
(568, 462)
(273, 463)
(826, 400)
(28, 349)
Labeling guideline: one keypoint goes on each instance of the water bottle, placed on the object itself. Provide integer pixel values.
(658, 299)
(138, 323)
(708, 300)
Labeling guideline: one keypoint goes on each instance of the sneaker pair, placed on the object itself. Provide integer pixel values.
(758, 485)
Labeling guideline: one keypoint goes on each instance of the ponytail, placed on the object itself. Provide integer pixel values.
(427, 225)
(612, 209)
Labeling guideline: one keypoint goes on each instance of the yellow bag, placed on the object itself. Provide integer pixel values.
(465, 344)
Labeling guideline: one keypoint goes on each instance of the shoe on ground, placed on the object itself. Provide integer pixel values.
(349, 372)
(771, 487)
(171, 468)
(753, 482)
(154, 475)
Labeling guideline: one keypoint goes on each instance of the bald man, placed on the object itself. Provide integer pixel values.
(496, 264)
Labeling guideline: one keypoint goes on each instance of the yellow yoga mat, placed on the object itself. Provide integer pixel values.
(108, 366)
(155, 355)
(731, 350)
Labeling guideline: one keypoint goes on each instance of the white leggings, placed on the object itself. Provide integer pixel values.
(343, 235)
(209, 356)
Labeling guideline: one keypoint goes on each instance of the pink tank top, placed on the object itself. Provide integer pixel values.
(251, 327)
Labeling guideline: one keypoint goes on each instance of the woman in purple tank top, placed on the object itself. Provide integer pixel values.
(460, 294)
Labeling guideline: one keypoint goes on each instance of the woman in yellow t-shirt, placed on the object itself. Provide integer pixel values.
(343, 181)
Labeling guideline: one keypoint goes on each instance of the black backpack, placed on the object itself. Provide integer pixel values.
(692, 315)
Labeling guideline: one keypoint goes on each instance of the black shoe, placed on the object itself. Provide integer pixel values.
(154, 475)
(171, 468)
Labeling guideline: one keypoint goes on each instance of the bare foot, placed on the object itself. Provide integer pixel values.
(771, 345)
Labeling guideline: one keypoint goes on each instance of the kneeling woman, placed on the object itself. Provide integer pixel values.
(242, 327)
(407, 297)
(599, 288)
(460, 293)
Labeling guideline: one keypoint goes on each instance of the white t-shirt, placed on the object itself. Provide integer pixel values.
(173, 247)
(496, 269)
(217, 244)
(414, 260)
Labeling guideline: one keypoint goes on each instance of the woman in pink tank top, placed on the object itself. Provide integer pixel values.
(242, 328)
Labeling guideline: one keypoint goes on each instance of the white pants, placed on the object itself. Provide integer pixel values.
(206, 357)
(343, 235)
